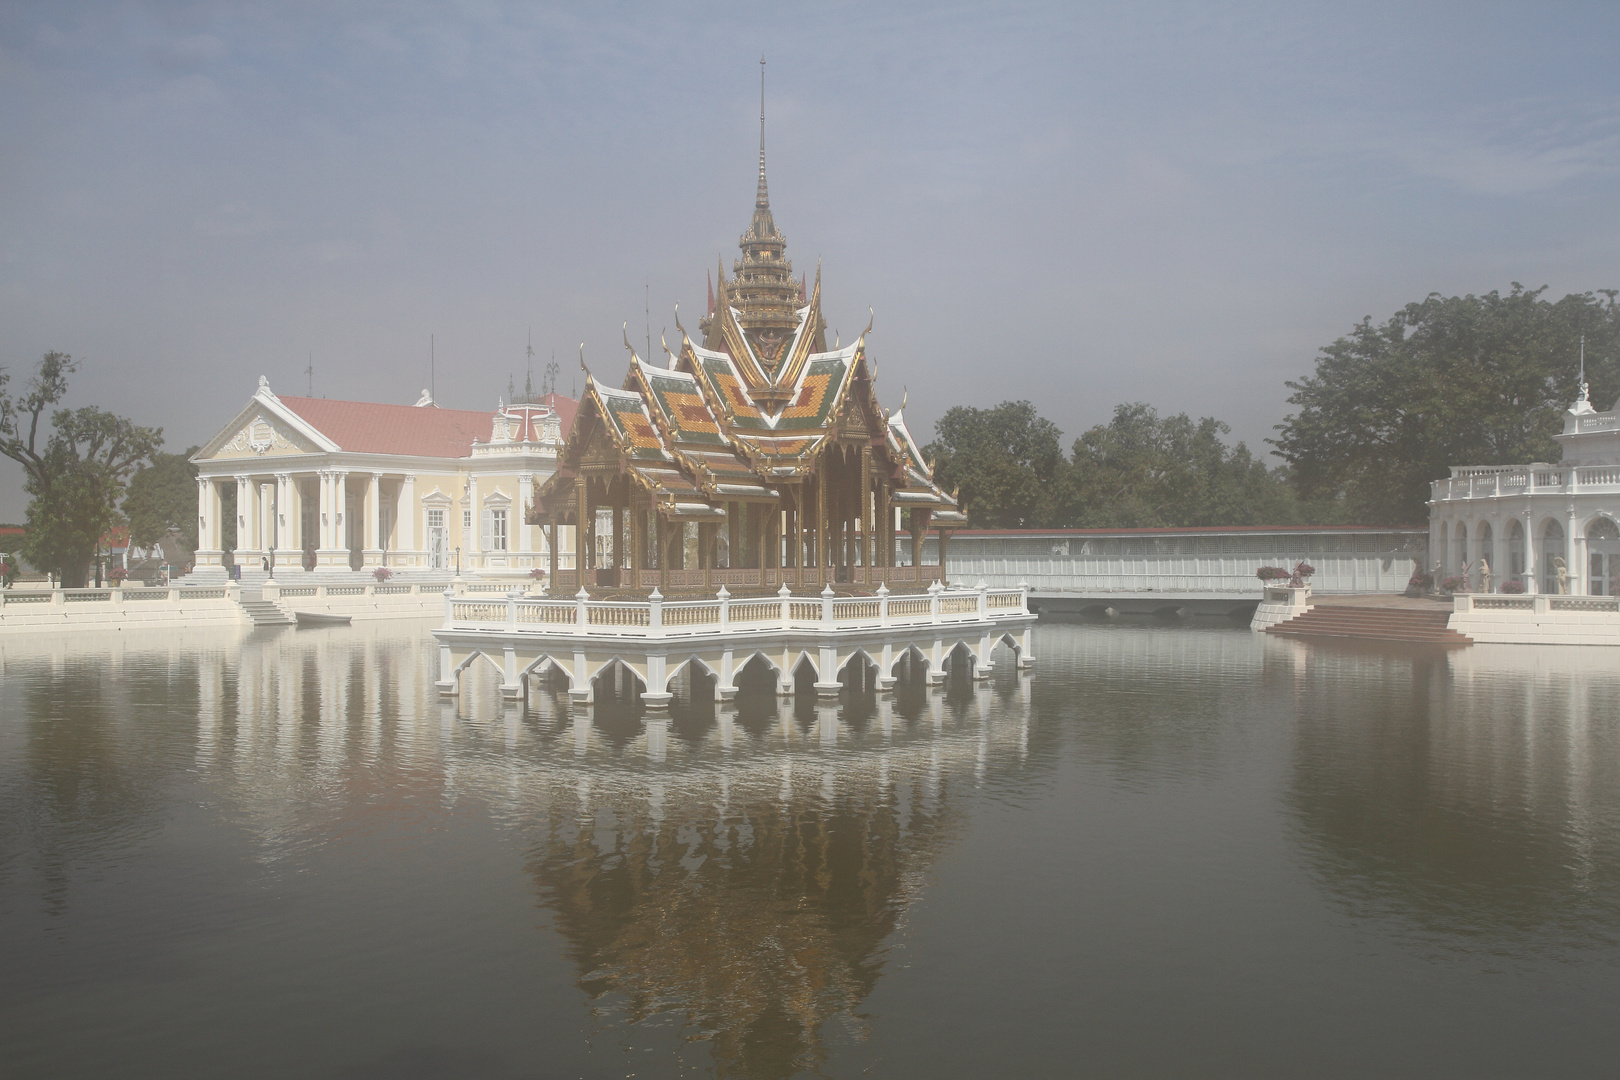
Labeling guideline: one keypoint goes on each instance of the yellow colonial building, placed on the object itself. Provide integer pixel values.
(336, 488)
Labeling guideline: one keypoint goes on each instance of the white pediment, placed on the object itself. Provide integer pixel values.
(264, 436)
(265, 428)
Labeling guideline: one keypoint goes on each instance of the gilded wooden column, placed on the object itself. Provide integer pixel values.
(582, 529)
(866, 509)
(638, 540)
(618, 536)
(821, 518)
(554, 532)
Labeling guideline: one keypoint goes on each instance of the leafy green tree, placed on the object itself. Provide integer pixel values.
(1141, 470)
(1469, 380)
(76, 474)
(1007, 463)
(163, 496)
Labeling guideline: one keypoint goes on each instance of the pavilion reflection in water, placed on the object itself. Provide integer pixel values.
(737, 866)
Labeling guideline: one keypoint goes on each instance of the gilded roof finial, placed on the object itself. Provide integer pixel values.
(762, 199)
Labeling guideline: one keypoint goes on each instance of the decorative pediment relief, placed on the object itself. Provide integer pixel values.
(262, 437)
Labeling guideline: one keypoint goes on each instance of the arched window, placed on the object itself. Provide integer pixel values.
(1443, 552)
(1602, 557)
(1462, 547)
(1553, 556)
(1484, 553)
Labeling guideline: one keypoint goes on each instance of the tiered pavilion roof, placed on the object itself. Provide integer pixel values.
(755, 459)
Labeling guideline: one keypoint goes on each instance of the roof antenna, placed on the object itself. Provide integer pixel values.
(646, 299)
(433, 368)
(528, 378)
(309, 373)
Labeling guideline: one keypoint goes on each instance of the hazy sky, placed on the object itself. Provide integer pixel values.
(1176, 204)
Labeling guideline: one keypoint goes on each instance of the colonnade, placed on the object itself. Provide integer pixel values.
(327, 518)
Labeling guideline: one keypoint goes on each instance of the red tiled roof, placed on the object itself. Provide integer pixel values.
(365, 427)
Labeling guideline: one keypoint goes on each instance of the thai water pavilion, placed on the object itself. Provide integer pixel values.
(756, 459)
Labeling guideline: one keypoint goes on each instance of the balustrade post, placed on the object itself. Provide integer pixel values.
(449, 602)
(984, 599)
(725, 607)
(1023, 597)
(784, 592)
(655, 613)
(827, 605)
(933, 600)
(512, 595)
(582, 617)
(883, 605)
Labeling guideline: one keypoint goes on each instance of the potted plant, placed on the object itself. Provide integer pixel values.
(1454, 584)
(382, 574)
(1269, 574)
(116, 576)
(1303, 571)
(1513, 587)
(1419, 583)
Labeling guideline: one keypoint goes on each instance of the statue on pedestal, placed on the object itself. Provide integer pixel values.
(1484, 576)
(1561, 572)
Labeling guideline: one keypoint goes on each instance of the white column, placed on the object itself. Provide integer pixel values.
(1576, 546)
(470, 543)
(324, 522)
(405, 513)
(525, 537)
(244, 516)
(372, 539)
(340, 499)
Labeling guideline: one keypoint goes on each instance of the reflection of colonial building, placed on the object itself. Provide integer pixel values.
(1526, 520)
(323, 485)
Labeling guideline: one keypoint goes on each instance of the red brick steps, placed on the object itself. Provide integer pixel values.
(1373, 624)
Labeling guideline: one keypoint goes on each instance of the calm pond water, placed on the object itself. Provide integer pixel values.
(1174, 851)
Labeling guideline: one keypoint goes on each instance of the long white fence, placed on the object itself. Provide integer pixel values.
(1094, 561)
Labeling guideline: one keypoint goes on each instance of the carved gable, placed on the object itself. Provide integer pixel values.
(264, 436)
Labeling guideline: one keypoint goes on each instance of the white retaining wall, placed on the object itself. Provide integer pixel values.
(1347, 560)
(1538, 620)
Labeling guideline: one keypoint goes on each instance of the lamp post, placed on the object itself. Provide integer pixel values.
(458, 560)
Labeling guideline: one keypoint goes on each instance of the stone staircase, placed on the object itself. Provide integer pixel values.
(1373, 624)
(263, 612)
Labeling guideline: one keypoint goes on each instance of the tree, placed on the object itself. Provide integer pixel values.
(1006, 462)
(78, 474)
(163, 496)
(1471, 380)
(1141, 470)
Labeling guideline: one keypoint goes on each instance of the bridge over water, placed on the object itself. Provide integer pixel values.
(1187, 571)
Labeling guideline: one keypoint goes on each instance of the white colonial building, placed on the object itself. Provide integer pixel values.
(1551, 527)
(336, 487)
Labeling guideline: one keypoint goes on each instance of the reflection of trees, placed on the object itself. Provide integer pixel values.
(1142, 696)
(1472, 802)
(760, 924)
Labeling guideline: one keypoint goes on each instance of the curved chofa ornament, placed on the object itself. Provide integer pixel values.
(678, 325)
(626, 332)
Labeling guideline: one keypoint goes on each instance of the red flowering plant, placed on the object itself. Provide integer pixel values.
(1302, 572)
(117, 573)
(1454, 584)
(1513, 587)
(536, 574)
(1271, 573)
(382, 574)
